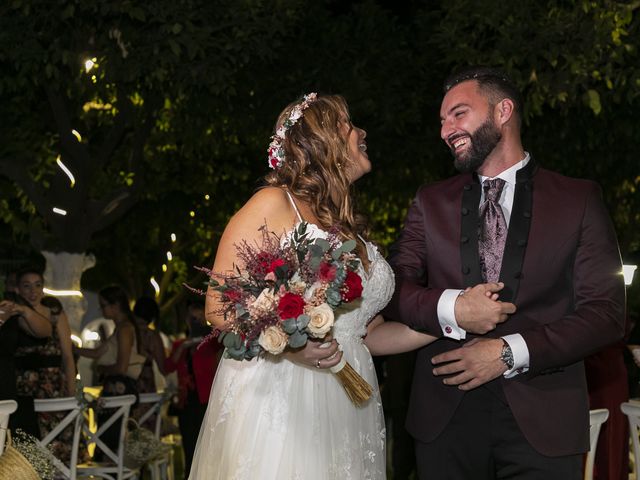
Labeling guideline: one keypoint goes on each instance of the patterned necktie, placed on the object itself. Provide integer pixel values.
(492, 231)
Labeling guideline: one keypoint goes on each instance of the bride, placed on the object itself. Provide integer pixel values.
(287, 417)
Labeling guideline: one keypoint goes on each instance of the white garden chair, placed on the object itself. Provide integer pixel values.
(113, 468)
(632, 411)
(74, 416)
(162, 468)
(596, 419)
(7, 407)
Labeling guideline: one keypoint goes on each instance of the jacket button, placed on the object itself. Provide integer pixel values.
(465, 211)
(464, 239)
(467, 187)
(466, 270)
(527, 214)
(517, 275)
(522, 243)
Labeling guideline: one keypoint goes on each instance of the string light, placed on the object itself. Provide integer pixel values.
(627, 272)
(155, 285)
(164, 267)
(169, 256)
(206, 196)
(64, 168)
(59, 211)
(89, 64)
(173, 237)
(77, 135)
(62, 293)
(192, 214)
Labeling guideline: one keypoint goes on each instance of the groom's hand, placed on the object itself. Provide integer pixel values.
(472, 365)
(478, 310)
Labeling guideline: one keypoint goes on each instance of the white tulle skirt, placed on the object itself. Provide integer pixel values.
(271, 419)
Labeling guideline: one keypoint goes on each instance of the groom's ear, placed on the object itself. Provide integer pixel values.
(504, 111)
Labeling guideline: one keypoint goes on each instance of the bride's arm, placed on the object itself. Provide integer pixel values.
(390, 338)
(270, 206)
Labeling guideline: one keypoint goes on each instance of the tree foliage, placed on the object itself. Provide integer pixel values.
(176, 111)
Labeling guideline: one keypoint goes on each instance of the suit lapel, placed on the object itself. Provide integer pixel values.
(517, 236)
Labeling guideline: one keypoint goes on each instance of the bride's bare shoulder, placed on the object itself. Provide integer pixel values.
(268, 205)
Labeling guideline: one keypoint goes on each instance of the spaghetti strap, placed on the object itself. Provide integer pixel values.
(293, 204)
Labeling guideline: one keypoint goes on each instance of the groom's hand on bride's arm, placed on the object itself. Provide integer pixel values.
(478, 310)
(472, 365)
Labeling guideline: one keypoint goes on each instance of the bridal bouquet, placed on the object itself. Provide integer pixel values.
(286, 293)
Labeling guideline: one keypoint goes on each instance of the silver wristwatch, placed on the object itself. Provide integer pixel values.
(507, 355)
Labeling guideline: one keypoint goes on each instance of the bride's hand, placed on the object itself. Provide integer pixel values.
(317, 353)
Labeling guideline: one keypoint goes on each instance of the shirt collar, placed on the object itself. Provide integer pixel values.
(509, 175)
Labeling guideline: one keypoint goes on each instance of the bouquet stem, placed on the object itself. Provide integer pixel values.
(356, 387)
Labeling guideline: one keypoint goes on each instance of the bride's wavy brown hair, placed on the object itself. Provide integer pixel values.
(316, 164)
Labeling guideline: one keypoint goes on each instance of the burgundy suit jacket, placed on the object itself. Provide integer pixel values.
(561, 267)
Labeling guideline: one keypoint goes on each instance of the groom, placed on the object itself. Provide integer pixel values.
(516, 268)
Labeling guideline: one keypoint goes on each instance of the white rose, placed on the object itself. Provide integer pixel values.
(321, 320)
(273, 339)
(265, 302)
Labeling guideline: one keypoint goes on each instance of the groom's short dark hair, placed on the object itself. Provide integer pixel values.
(494, 83)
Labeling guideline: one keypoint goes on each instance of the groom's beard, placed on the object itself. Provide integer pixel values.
(483, 141)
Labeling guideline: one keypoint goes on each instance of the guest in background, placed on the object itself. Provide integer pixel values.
(119, 360)
(196, 368)
(18, 318)
(608, 388)
(46, 368)
(147, 313)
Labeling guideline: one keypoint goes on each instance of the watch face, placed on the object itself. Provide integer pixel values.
(507, 356)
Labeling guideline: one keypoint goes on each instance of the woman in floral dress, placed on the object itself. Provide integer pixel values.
(45, 367)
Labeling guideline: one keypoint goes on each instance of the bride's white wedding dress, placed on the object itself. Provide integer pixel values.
(272, 419)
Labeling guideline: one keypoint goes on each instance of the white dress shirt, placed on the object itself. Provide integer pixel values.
(446, 303)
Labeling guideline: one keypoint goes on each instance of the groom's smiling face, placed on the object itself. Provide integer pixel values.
(468, 127)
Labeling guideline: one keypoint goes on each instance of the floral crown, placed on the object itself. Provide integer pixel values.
(276, 148)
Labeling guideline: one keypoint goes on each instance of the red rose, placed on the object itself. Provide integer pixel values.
(352, 287)
(327, 272)
(278, 262)
(268, 262)
(290, 306)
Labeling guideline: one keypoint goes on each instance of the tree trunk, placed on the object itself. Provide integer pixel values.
(63, 272)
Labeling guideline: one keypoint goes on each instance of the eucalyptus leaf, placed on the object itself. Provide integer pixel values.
(302, 321)
(289, 326)
(322, 243)
(297, 339)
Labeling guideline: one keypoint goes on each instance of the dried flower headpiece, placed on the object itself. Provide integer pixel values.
(276, 149)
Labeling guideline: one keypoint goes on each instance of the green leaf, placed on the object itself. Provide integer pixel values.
(297, 339)
(175, 48)
(289, 326)
(322, 243)
(302, 321)
(593, 100)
